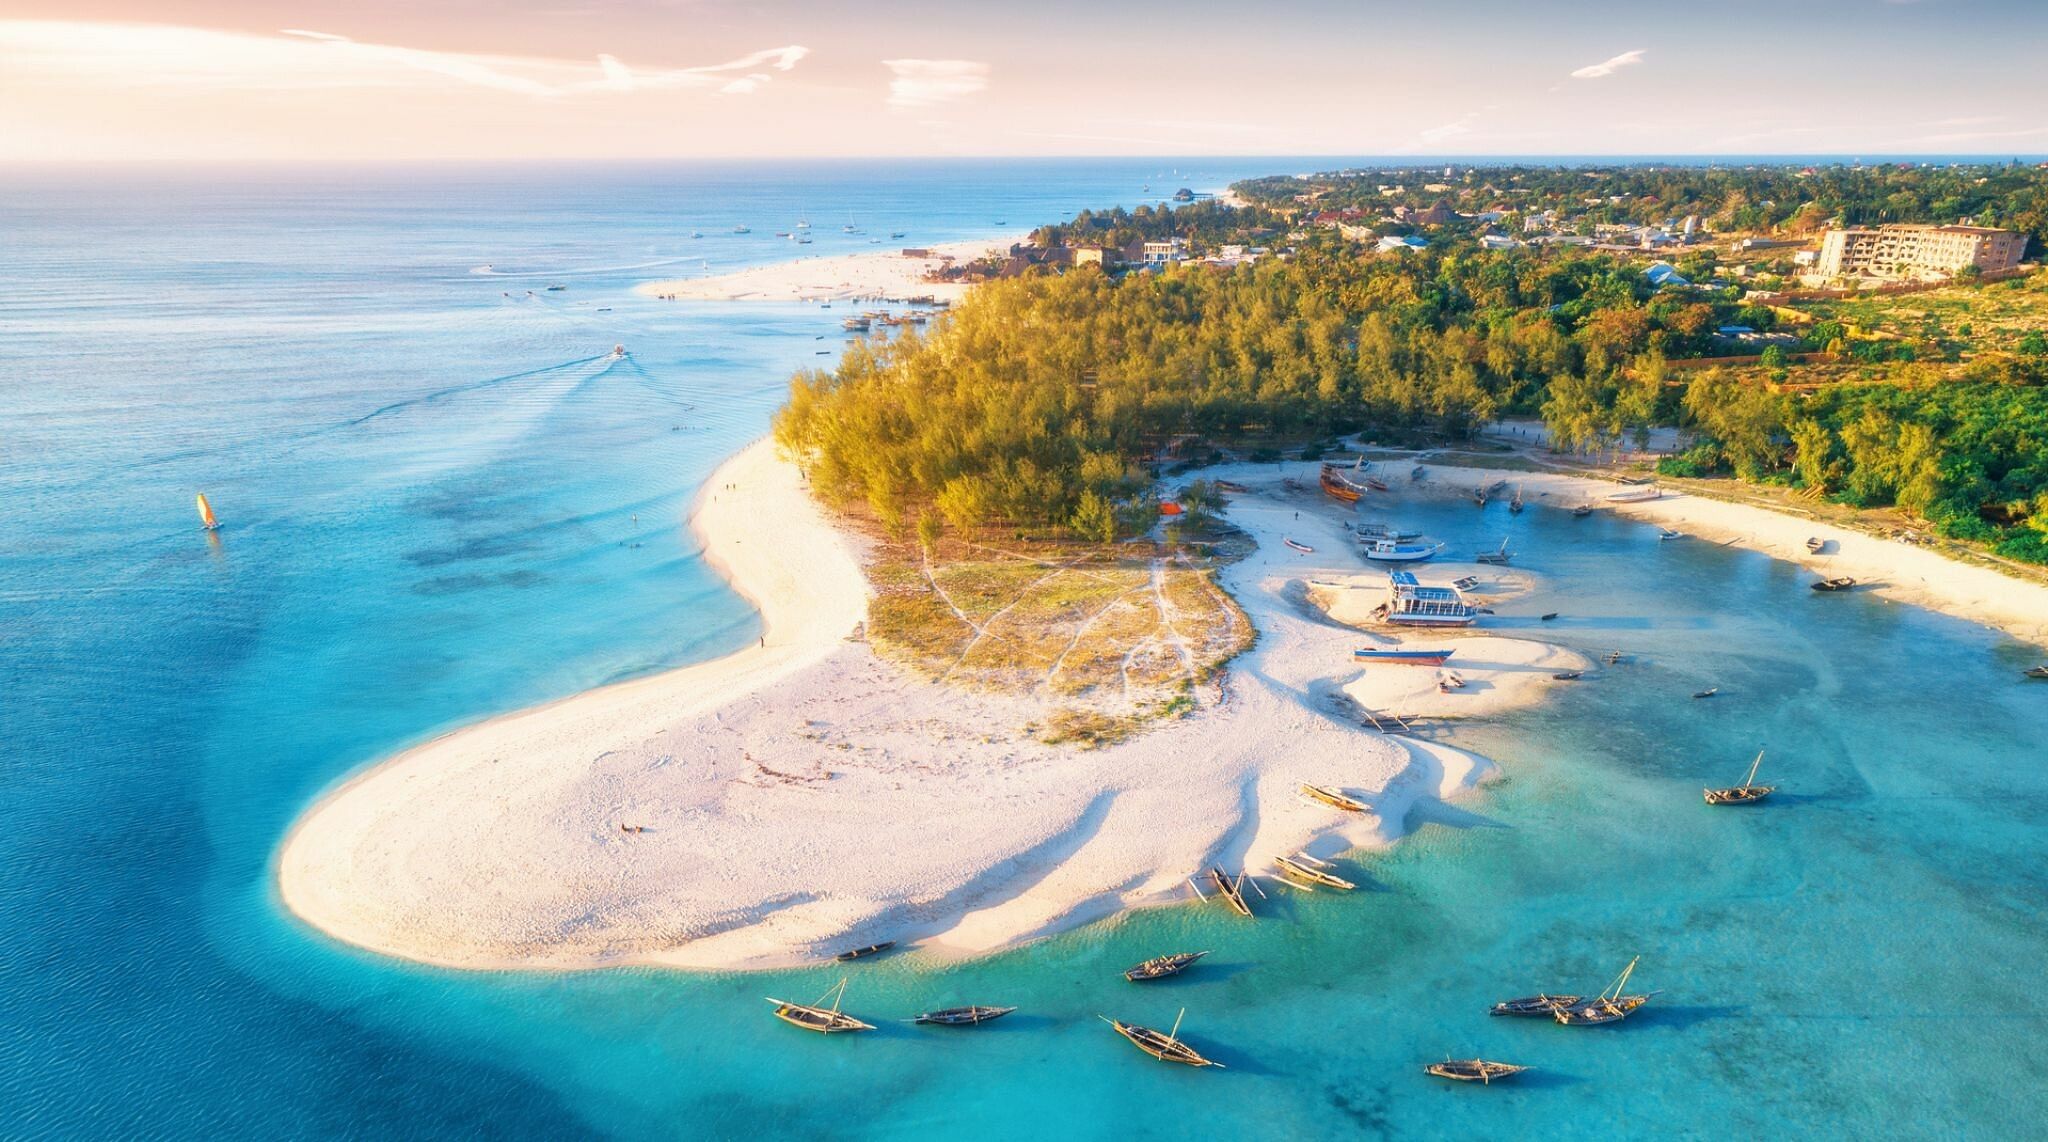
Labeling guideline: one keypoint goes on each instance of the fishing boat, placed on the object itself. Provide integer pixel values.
(1496, 487)
(1515, 505)
(2036, 672)
(1816, 544)
(1547, 616)
(1376, 484)
(1498, 557)
(1473, 1070)
(1610, 1006)
(1636, 495)
(1747, 793)
(895, 234)
(1409, 603)
(962, 1016)
(1665, 534)
(741, 230)
(1159, 967)
(1338, 485)
(817, 1017)
(207, 520)
(1395, 551)
(1568, 675)
(855, 324)
(1838, 583)
(1304, 548)
(1167, 1048)
(1331, 797)
(861, 953)
(1308, 868)
(1479, 496)
(1465, 582)
(1232, 891)
(1541, 1004)
(1582, 511)
(1401, 656)
(1228, 486)
(1376, 530)
(1707, 693)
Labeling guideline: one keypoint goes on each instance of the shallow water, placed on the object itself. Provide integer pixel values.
(443, 502)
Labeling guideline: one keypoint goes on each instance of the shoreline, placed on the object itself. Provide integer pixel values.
(877, 273)
(790, 793)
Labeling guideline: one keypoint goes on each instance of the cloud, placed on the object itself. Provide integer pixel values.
(107, 55)
(1608, 67)
(930, 82)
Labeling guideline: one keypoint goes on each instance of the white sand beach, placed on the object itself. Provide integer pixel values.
(794, 799)
(882, 272)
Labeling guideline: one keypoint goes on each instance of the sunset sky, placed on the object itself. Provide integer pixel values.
(567, 79)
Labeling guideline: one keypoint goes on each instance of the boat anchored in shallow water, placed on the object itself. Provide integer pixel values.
(1610, 1006)
(817, 1017)
(1473, 1070)
(1395, 551)
(1307, 868)
(972, 1016)
(1747, 793)
(1167, 1048)
(1160, 967)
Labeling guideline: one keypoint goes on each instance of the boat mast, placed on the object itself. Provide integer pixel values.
(1751, 779)
(1176, 1026)
(1620, 981)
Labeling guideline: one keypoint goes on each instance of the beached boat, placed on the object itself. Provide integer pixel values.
(207, 520)
(1340, 486)
(1669, 534)
(1376, 530)
(1307, 868)
(1227, 486)
(1582, 511)
(1403, 657)
(1331, 797)
(817, 1017)
(1304, 548)
(1395, 551)
(1479, 496)
(1159, 967)
(1747, 793)
(864, 952)
(1376, 484)
(1610, 1006)
(1499, 557)
(1231, 891)
(1542, 1004)
(2036, 672)
(1569, 675)
(1838, 583)
(1816, 544)
(1409, 603)
(1515, 505)
(962, 1016)
(1473, 1070)
(1167, 1047)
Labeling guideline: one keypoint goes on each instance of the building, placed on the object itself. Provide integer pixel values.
(1166, 252)
(1910, 250)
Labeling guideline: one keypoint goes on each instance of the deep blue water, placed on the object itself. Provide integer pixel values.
(444, 502)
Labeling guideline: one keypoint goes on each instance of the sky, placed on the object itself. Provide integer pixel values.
(404, 80)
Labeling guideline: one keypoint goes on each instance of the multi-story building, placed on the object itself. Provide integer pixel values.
(1908, 250)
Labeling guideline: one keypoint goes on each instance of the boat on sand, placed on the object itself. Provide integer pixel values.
(1330, 796)
(1307, 868)
(1838, 583)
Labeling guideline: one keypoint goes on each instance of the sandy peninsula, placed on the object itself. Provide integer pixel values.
(785, 802)
(875, 273)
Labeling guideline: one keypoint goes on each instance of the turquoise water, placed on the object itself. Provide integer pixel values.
(443, 502)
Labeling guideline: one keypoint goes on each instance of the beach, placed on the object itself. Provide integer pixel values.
(876, 273)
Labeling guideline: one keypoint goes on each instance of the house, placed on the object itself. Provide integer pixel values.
(1396, 244)
(1662, 274)
(1497, 242)
(1164, 252)
(1439, 214)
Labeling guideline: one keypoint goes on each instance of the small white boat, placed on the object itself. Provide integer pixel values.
(1395, 551)
(1668, 534)
(1304, 548)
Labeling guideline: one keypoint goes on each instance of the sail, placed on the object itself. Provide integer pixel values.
(206, 518)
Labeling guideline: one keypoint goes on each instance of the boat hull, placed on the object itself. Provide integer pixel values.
(1403, 657)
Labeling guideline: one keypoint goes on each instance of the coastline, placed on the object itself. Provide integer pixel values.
(876, 273)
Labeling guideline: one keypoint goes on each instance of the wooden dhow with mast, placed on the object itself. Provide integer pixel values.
(1166, 1048)
(972, 1016)
(1610, 1006)
(1160, 967)
(816, 1016)
(1331, 797)
(1747, 793)
(1473, 1070)
(1230, 889)
(1306, 868)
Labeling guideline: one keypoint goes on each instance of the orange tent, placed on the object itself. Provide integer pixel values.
(1168, 507)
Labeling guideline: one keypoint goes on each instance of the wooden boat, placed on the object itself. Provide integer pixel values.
(1515, 505)
(1499, 557)
(207, 521)
(1331, 797)
(1394, 551)
(1708, 692)
(1227, 486)
(861, 953)
(1569, 675)
(1159, 967)
(1747, 793)
(1546, 616)
(1610, 1006)
(1305, 867)
(1375, 530)
(1403, 657)
(1582, 511)
(1816, 544)
(1473, 1070)
(1167, 1048)
(1304, 548)
(1375, 484)
(1838, 583)
(1479, 496)
(819, 1018)
(962, 1016)
(2036, 672)
(1614, 658)
(1496, 487)
(1635, 495)
(1340, 486)
(1541, 1004)
(1231, 891)
(1465, 582)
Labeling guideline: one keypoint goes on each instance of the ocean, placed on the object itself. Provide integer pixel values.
(443, 499)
